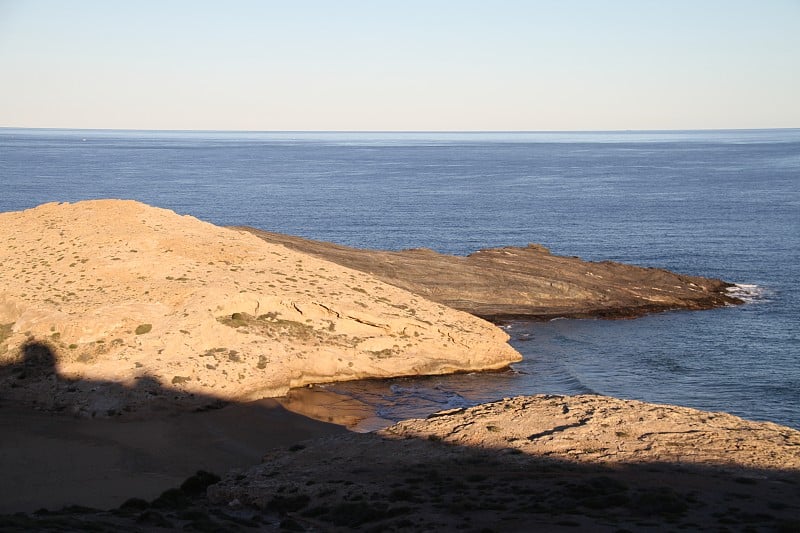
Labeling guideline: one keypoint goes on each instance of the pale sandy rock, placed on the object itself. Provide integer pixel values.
(590, 428)
(538, 463)
(137, 297)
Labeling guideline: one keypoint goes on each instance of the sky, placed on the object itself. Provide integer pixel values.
(389, 65)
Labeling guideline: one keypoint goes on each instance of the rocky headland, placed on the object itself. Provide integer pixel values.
(153, 328)
(111, 307)
(523, 283)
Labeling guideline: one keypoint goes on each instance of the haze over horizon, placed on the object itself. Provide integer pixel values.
(353, 65)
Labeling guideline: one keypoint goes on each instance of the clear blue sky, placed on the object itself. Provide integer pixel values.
(400, 65)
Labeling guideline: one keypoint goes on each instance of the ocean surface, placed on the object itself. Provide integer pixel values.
(722, 204)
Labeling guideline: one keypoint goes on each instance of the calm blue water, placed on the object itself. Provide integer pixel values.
(720, 203)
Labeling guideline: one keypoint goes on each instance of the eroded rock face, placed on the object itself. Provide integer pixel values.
(122, 304)
(588, 462)
(520, 283)
(601, 429)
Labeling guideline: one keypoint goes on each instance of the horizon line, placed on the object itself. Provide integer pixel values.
(171, 130)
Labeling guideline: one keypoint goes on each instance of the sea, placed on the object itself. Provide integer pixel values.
(723, 204)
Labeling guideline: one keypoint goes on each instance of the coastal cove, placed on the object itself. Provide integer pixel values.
(134, 339)
(715, 204)
(392, 267)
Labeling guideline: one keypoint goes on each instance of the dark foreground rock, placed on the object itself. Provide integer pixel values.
(540, 463)
(516, 283)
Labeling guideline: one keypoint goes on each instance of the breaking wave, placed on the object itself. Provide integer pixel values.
(748, 292)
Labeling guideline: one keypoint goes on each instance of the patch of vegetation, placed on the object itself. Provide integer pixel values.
(197, 484)
(143, 328)
(356, 513)
(212, 351)
(5, 333)
(154, 518)
(600, 493)
(86, 357)
(661, 501)
(289, 503)
(237, 320)
(133, 505)
(269, 325)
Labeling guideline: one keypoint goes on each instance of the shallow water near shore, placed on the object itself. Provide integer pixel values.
(666, 358)
(720, 204)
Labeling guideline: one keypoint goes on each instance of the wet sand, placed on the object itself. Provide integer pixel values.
(50, 461)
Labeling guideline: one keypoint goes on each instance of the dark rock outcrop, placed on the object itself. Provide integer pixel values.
(523, 283)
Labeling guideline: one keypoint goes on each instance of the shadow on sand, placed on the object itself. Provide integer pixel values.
(67, 441)
(339, 480)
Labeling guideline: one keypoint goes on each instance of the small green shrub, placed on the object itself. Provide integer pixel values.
(86, 358)
(134, 505)
(197, 484)
(143, 328)
(171, 499)
(381, 354)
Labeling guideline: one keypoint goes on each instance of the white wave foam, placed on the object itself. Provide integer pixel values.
(747, 292)
(456, 400)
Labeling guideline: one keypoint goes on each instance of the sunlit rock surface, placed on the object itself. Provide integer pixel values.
(109, 305)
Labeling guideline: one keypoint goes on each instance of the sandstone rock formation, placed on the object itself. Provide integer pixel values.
(540, 462)
(519, 283)
(106, 305)
(601, 429)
